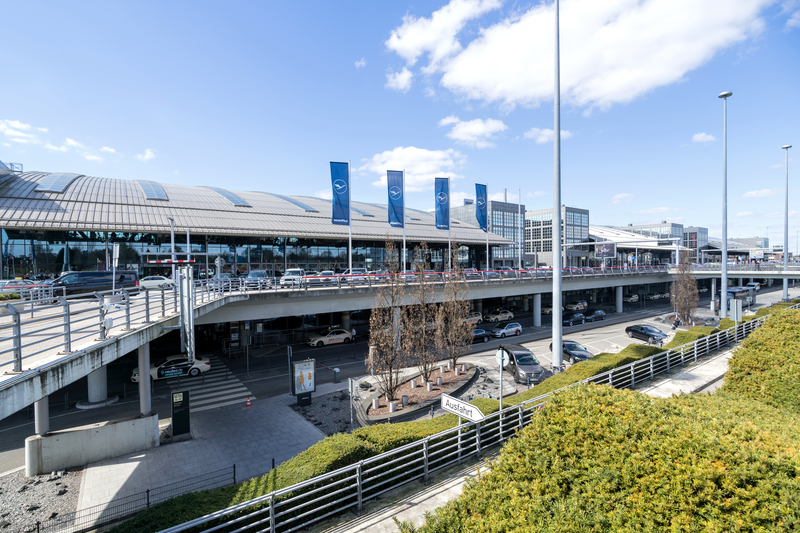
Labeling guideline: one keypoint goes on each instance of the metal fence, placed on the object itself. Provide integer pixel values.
(300, 505)
(98, 516)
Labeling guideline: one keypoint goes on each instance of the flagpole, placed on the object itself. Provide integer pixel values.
(521, 225)
(349, 222)
(487, 227)
(403, 214)
(449, 240)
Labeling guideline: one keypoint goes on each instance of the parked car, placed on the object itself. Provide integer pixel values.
(432, 275)
(17, 285)
(257, 279)
(548, 309)
(704, 289)
(506, 330)
(650, 334)
(574, 352)
(356, 276)
(472, 273)
(570, 319)
(293, 277)
(87, 282)
(522, 364)
(498, 316)
(597, 314)
(480, 335)
(334, 336)
(475, 317)
(326, 277)
(580, 305)
(755, 285)
(151, 283)
(631, 298)
(665, 295)
(175, 366)
(652, 296)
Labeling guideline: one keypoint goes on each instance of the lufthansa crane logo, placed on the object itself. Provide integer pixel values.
(395, 193)
(441, 198)
(481, 201)
(340, 186)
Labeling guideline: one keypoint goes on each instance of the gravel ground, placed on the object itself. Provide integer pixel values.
(24, 501)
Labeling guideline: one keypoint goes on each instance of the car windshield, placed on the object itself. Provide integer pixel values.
(526, 359)
(292, 272)
(257, 274)
(160, 362)
(575, 347)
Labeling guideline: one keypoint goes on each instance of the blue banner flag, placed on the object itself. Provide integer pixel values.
(442, 190)
(481, 206)
(394, 181)
(340, 182)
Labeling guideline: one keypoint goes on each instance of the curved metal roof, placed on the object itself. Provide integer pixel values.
(104, 204)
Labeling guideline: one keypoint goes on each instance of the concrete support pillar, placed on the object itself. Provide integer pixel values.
(619, 299)
(345, 320)
(41, 413)
(479, 306)
(145, 407)
(713, 293)
(741, 282)
(526, 303)
(769, 283)
(98, 384)
(537, 310)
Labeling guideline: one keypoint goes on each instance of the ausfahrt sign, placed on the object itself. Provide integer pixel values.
(463, 409)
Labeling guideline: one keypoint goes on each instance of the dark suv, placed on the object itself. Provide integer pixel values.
(523, 364)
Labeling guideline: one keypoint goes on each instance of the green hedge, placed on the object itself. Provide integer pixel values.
(685, 337)
(9, 296)
(601, 459)
(726, 322)
(767, 365)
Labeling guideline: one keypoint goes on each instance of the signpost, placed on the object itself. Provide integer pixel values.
(181, 429)
(462, 409)
(502, 360)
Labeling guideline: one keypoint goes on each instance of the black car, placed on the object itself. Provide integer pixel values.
(597, 314)
(523, 364)
(574, 352)
(651, 334)
(480, 335)
(571, 319)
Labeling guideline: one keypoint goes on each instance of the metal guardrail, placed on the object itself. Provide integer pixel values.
(48, 322)
(300, 505)
(753, 268)
(93, 518)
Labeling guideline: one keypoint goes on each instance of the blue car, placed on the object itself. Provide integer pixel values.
(592, 316)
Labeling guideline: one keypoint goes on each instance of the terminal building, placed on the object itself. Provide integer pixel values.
(54, 222)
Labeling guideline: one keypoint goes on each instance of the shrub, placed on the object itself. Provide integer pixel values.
(600, 459)
(726, 322)
(685, 337)
(9, 296)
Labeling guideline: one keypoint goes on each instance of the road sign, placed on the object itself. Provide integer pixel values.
(461, 408)
(501, 357)
(219, 262)
(736, 310)
(116, 254)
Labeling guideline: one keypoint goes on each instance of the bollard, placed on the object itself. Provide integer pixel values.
(374, 403)
(463, 367)
(448, 365)
(405, 400)
(441, 369)
(336, 375)
(430, 386)
(439, 381)
(413, 383)
(392, 406)
(458, 371)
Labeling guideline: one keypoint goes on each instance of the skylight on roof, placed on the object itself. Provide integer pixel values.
(232, 198)
(298, 203)
(152, 190)
(57, 182)
(385, 208)
(355, 209)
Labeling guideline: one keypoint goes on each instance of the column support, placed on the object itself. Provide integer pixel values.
(619, 299)
(537, 310)
(41, 413)
(145, 400)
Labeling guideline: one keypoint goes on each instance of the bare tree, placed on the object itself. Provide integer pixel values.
(420, 317)
(388, 346)
(683, 292)
(454, 334)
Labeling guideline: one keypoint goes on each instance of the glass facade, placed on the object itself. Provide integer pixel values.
(505, 221)
(539, 236)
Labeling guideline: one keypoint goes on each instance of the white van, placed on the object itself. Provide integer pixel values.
(754, 285)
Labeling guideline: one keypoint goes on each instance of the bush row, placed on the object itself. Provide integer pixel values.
(9, 296)
(726, 322)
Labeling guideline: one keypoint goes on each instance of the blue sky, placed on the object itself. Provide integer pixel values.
(262, 95)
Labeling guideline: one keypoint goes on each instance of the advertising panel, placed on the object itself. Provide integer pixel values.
(442, 202)
(340, 183)
(605, 250)
(304, 377)
(394, 182)
(481, 206)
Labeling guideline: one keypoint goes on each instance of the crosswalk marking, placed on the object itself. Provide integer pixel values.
(216, 388)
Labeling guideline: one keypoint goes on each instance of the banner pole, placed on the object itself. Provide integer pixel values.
(349, 222)
(487, 227)
(449, 239)
(404, 221)
(521, 225)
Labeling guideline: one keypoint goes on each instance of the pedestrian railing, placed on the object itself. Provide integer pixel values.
(303, 504)
(93, 518)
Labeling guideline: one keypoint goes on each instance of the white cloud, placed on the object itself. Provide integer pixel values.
(622, 198)
(421, 166)
(457, 199)
(17, 131)
(325, 194)
(361, 63)
(43, 130)
(703, 137)
(761, 193)
(399, 81)
(536, 194)
(777, 165)
(654, 210)
(90, 157)
(436, 35)
(611, 52)
(147, 155)
(55, 148)
(477, 133)
(107, 149)
(791, 8)
(73, 143)
(509, 196)
(6, 144)
(542, 136)
(745, 214)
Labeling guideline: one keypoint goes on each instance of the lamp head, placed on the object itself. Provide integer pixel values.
(786, 146)
(725, 94)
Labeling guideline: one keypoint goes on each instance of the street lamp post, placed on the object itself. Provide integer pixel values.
(172, 244)
(557, 352)
(723, 300)
(786, 228)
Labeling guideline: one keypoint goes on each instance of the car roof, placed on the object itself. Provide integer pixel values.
(515, 348)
